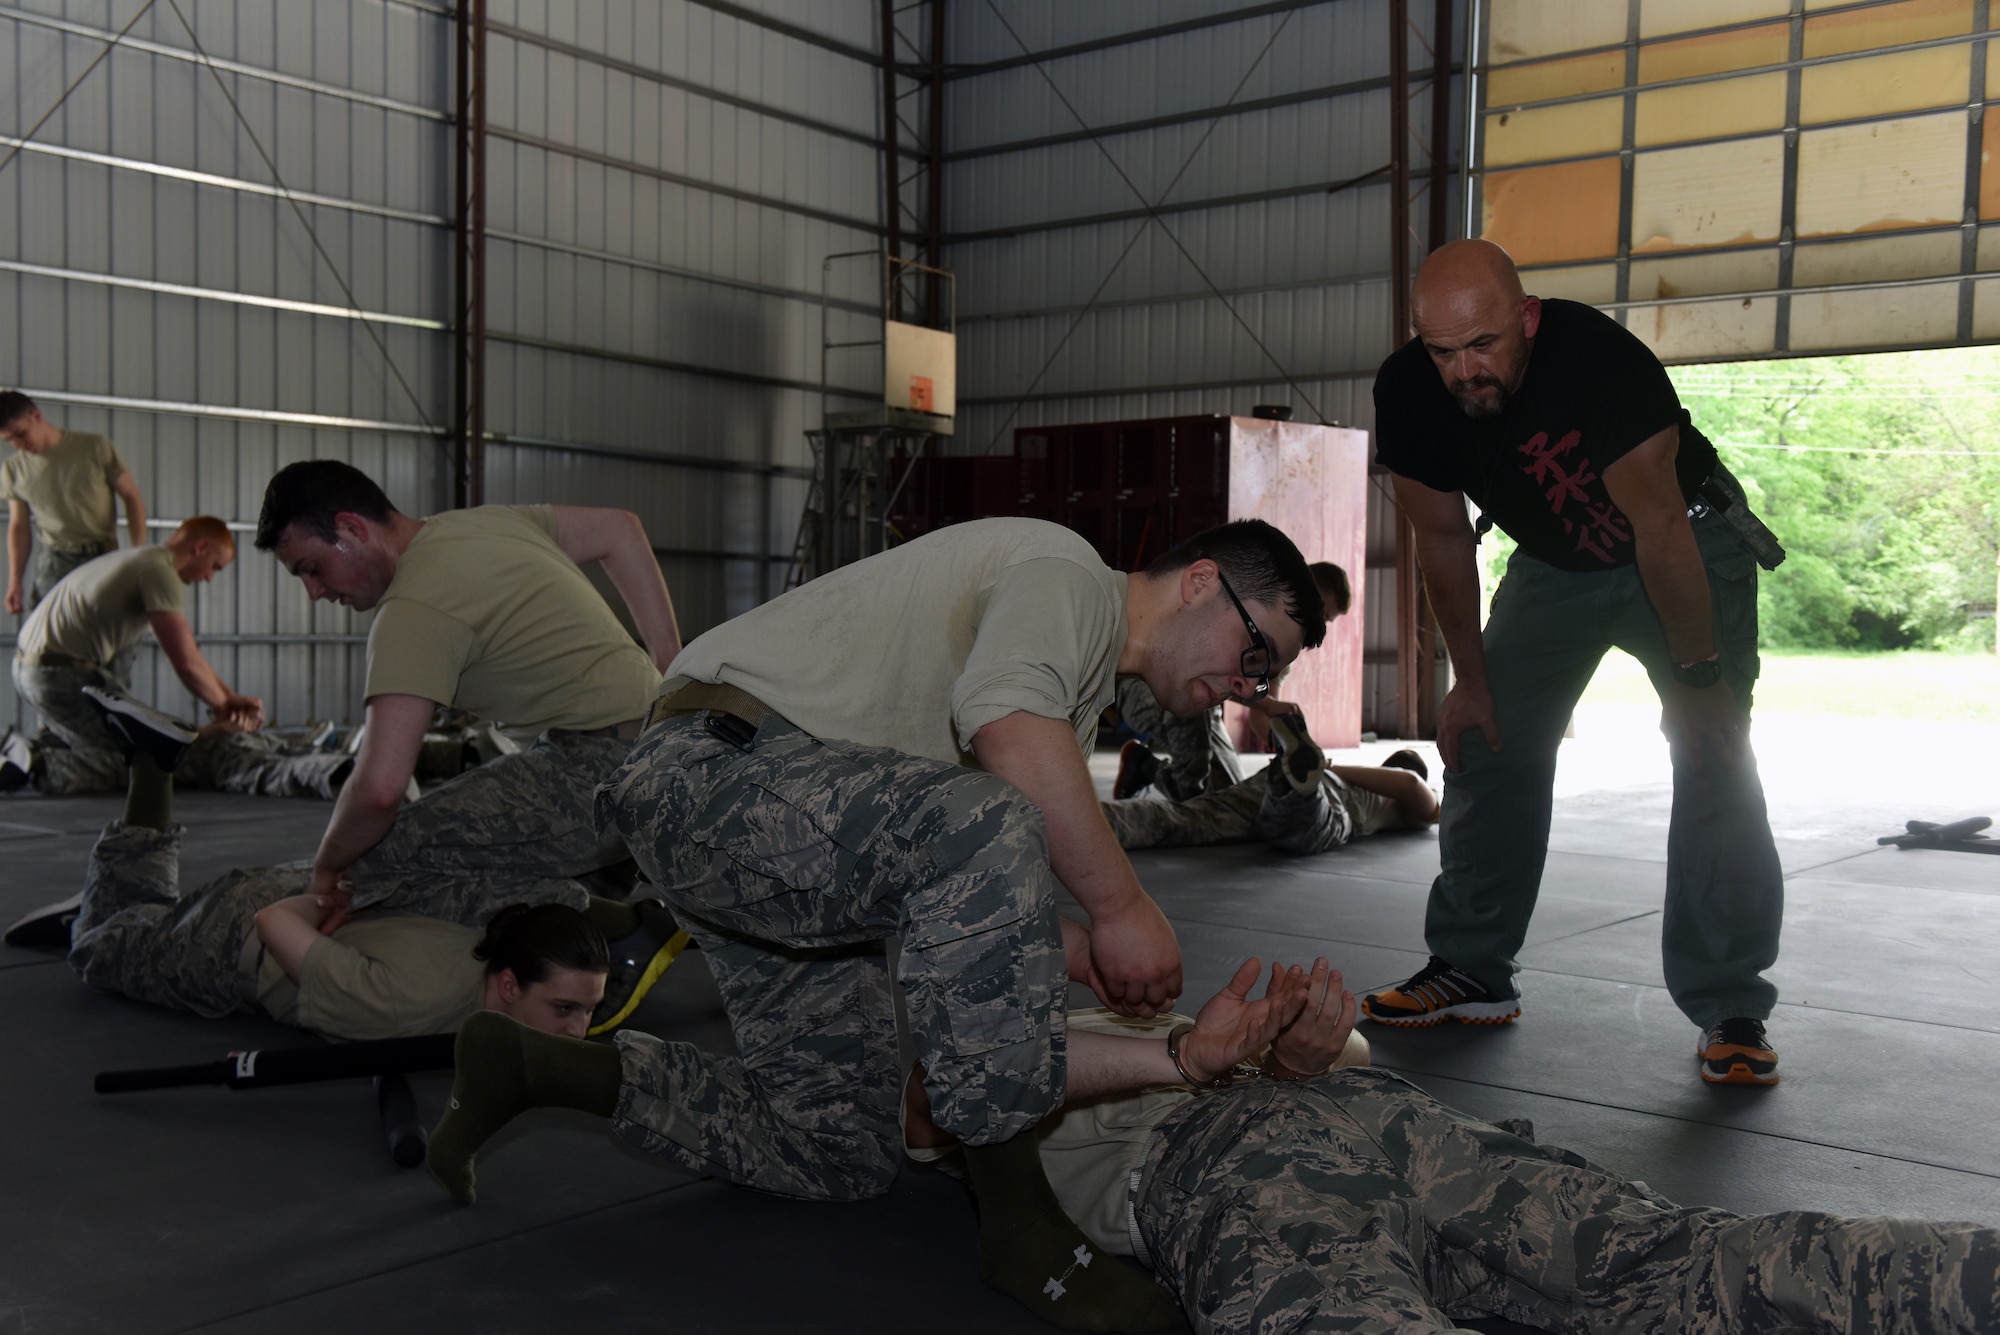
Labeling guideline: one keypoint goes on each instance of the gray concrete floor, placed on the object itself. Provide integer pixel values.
(201, 1209)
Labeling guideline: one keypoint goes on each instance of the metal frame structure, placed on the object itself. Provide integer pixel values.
(468, 341)
(913, 202)
(1788, 245)
(1416, 625)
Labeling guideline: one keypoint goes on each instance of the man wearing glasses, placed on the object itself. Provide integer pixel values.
(897, 749)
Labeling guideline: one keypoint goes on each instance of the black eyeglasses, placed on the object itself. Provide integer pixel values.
(1257, 658)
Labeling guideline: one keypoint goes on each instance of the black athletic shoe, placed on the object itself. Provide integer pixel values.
(1736, 1052)
(1411, 761)
(1435, 994)
(17, 762)
(637, 961)
(1137, 768)
(140, 727)
(46, 928)
(1299, 758)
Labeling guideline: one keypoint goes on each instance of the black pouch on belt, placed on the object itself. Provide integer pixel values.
(1725, 495)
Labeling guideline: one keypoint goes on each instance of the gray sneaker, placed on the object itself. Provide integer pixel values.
(139, 727)
(1299, 758)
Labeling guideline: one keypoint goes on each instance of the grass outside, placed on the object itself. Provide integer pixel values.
(1910, 684)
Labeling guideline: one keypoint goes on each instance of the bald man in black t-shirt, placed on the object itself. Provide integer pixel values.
(1565, 431)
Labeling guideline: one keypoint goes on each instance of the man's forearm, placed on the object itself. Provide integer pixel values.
(19, 536)
(1451, 579)
(1101, 1064)
(358, 825)
(1676, 580)
(637, 577)
(201, 680)
(1040, 757)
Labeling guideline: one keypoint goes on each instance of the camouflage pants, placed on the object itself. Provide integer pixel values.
(1196, 748)
(85, 758)
(1262, 807)
(135, 935)
(51, 565)
(790, 859)
(517, 829)
(1357, 1203)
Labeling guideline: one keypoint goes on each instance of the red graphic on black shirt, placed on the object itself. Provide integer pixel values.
(1605, 523)
(1601, 526)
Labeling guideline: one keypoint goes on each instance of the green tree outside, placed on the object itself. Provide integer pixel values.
(1880, 474)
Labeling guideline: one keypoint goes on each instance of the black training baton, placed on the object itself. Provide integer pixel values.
(293, 1066)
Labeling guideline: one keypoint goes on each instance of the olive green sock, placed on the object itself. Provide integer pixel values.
(616, 921)
(1031, 1251)
(149, 794)
(505, 1068)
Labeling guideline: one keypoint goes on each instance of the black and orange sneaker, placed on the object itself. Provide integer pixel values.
(1137, 768)
(1736, 1052)
(1438, 993)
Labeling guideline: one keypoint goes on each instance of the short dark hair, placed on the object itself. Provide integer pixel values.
(13, 405)
(1334, 589)
(533, 939)
(1261, 565)
(310, 493)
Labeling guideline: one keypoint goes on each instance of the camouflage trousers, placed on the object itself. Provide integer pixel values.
(790, 860)
(79, 755)
(1200, 756)
(51, 564)
(135, 935)
(1262, 808)
(518, 829)
(1357, 1203)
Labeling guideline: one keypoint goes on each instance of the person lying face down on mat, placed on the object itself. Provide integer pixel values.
(250, 942)
(1273, 1181)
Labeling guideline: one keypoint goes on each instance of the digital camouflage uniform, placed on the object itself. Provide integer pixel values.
(79, 755)
(790, 860)
(1357, 1203)
(50, 565)
(516, 829)
(1261, 809)
(134, 935)
(1200, 757)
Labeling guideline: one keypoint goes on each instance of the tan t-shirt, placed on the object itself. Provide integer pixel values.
(67, 489)
(99, 610)
(487, 614)
(395, 977)
(921, 647)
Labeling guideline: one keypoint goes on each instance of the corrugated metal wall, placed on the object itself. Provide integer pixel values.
(665, 181)
(154, 287)
(665, 177)
(1265, 138)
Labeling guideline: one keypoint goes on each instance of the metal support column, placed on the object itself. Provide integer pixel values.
(468, 390)
(913, 155)
(1408, 581)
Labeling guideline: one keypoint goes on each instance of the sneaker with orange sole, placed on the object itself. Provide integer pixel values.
(1435, 994)
(1737, 1052)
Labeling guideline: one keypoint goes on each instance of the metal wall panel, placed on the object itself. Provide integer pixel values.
(665, 181)
(1799, 146)
(1067, 315)
(145, 178)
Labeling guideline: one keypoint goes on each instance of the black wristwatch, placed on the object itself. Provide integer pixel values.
(1701, 673)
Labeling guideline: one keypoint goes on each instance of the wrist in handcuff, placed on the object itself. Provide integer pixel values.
(1270, 1068)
